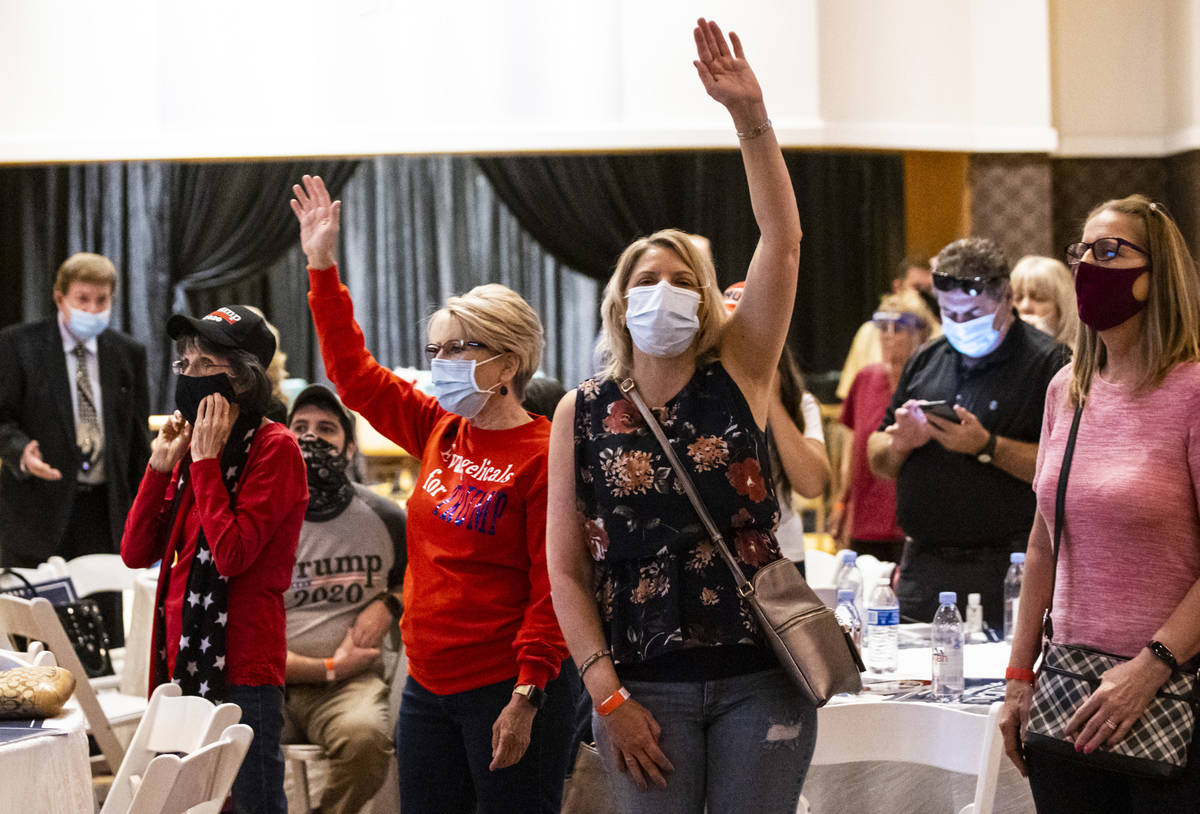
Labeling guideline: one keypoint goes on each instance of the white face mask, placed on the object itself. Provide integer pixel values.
(975, 337)
(454, 386)
(662, 318)
(84, 324)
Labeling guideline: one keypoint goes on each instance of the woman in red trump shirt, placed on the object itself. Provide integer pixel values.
(221, 505)
(483, 719)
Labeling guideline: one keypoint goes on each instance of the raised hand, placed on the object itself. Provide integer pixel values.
(726, 76)
(170, 444)
(320, 221)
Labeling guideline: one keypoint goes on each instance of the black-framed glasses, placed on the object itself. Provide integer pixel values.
(182, 367)
(455, 347)
(1103, 249)
(971, 286)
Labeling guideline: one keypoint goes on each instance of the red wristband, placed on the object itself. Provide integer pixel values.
(1019, 674)
(609, 705)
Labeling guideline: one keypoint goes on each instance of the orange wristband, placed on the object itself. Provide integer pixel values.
(609, 705)
(1018, 674)
(330, 672)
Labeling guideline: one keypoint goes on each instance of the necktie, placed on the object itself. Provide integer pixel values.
(88, 434)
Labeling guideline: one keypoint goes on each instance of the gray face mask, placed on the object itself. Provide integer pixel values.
(662, 318)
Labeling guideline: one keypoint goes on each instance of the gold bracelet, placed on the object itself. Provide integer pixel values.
(754, 132)
(592, 659)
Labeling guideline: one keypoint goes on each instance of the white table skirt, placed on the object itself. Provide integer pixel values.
(50, 774)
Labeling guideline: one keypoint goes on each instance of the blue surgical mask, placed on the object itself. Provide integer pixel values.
(454, 386)
(662, 318)
(83, 325)
(975, 337)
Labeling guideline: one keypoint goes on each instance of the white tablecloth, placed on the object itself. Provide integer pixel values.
(907, 788)
(49, 774)
(135, 675)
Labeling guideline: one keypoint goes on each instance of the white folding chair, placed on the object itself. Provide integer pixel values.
(36, 655)
(945, 737)
(173, 723)
(197, 783)
(35, 619)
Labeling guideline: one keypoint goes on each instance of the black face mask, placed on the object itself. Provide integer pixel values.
(329, 487)
(191, 390)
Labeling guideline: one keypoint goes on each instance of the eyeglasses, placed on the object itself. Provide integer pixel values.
(182, 367)
(1103, 250)
(455, 347)
(971, 286)
(891, 320)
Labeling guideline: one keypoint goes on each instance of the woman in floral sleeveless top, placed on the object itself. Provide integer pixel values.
(691, 707)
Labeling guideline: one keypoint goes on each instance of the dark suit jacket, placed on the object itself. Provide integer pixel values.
(35, 405)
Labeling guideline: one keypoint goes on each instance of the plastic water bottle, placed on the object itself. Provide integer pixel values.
(947, 639)
(848, 616)
(849, 577)
(1012, 592)
(883, 629)
(973, 625)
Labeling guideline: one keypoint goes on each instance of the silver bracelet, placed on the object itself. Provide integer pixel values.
(754, 132)
(592, 659)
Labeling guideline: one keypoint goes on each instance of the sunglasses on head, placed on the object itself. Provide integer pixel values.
(971, 286)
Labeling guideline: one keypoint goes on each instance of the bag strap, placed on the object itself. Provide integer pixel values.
(1060, 501)
(745, 588)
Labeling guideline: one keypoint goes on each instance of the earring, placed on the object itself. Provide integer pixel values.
(504, 390)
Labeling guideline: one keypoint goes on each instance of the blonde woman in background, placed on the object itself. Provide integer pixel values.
(1044, 294)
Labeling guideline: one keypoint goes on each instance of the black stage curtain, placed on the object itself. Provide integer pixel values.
(586, 208)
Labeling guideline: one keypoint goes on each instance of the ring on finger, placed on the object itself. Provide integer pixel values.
(1110, 723)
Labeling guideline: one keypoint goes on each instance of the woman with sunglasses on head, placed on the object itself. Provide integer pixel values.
(684, 687)
(485, 720)
(1127, 580)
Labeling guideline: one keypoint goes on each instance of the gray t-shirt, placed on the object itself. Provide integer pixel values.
(341, 565)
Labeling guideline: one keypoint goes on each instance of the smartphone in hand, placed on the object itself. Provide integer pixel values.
(940, 409)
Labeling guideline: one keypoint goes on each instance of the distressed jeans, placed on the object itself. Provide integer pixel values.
(740, 744)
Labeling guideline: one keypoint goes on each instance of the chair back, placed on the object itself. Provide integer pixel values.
(937, 735)
(93, 573)
(197, 783)
(36, 619)
(173, 723)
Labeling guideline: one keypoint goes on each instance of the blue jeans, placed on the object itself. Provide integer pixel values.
(444, 746)
(258, 788)
(737, 744)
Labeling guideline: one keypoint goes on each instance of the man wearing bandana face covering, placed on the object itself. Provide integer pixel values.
(963, 487)
(344, 599)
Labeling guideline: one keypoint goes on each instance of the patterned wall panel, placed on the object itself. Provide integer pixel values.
(1081, 183)
(1012, 202)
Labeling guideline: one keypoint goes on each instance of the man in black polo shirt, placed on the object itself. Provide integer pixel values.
(963, 491)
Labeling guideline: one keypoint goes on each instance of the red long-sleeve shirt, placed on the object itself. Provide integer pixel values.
(477, 606)
(254, 544)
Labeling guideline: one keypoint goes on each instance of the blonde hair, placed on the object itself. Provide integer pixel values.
(1050, 279)
(500, 318)
(85, 267)
(712, 312)
(1171, 330)
(908, 301)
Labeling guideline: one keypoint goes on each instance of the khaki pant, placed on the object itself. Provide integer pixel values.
(349, 720)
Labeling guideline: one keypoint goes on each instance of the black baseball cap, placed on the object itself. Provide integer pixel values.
(231, 326)
(321, 396)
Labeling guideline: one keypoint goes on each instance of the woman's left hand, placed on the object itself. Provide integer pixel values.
(1123, 695)
(510, 733)
(214, 421)
(727, 77)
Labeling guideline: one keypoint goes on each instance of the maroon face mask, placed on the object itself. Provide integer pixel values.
(1105, 295)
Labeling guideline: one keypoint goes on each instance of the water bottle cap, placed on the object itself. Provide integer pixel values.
(974, 599)
(1016, 556)
(849, 557)
(948, 598)
(845, 595)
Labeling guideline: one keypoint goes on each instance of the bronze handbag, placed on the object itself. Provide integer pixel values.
(812, 647)
(34, 692)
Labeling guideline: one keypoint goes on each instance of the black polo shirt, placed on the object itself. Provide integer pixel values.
(949, 498)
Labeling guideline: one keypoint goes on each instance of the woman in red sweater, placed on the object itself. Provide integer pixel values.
(483, 719)
(221, 506)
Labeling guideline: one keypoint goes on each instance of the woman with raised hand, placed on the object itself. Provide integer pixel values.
(485, 719)
(691, 705)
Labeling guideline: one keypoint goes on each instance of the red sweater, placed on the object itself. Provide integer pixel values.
(254, 544)
(477, 604)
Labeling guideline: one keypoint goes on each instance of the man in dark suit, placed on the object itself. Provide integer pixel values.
(73, 410)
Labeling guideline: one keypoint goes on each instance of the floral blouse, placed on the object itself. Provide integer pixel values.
(661, 585)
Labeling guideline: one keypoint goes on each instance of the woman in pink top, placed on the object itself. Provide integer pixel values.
(1129, 562)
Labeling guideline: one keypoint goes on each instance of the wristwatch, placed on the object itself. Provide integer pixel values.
(984, 456)
(1163, 654)
(533, 694)
(394, 606)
